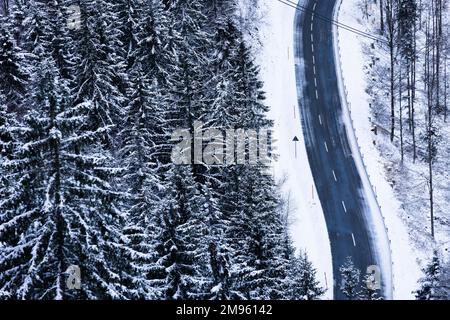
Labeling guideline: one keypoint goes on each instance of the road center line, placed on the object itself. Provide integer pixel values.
(314, 7)
(312, 38)
(317, 94)
(353, 238)
(334, 175)
(320, 119)
(343, 205)
(326, 146)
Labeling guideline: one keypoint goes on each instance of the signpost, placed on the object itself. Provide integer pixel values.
(295, 142)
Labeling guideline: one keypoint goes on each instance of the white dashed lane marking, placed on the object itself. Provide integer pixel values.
(343, 206)
(353, 238)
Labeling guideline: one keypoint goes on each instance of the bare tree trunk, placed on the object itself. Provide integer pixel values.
(5, 7)
(445, 91)
(381, 17)
(413, 96)
(430, 167)
(408, 85)
(438, 38)
(430, 73)
(420, 15)
(392, 95)
(391, 43)
(400, 87)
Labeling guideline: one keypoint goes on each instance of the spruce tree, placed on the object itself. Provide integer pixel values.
(367, 291)
(141, 180)
(254, 234)
(156, 43)
(430, 282)
(304, 283)
(350, 278)
(12, 71)
(180, 243)
(61, 211)
(100, 73)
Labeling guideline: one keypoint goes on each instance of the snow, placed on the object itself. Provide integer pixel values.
(406, 270)
(308, 228)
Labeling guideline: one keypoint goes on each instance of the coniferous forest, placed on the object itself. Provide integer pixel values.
(87, 110)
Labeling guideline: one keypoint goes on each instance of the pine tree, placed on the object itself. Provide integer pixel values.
(156, 43)
(142, 182)
(443, 290)
(250, 91)
(248, 198)
(12, 71)
(304, 283)
(254, 234)
(46, 33)
(367, 291)
(7, 146)
(350, 278)
(61, 211)
(7, 122)
(407, 18)
(128, 13)
(100, 72)
(188, 80)
(226, 109)
(217, 262)
(430, 282)
(221, 288)
(180, 241)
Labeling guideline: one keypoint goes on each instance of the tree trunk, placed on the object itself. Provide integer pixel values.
(5, 7)
(401, 113)
(391, 42)
(445, 91)
(413, 96)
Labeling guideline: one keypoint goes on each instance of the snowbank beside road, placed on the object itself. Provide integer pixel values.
(405, 268)
(308, 229)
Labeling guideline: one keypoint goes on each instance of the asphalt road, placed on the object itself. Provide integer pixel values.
(335, 173)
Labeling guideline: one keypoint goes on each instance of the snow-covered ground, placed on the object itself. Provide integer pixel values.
(276, 56)
(406, 270)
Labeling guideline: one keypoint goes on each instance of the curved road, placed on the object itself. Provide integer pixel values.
(330, 156)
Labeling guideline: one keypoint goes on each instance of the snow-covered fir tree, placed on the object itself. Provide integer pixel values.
(181, 241)
(13, 71)
(367, 291)
(141, 180)
(254, 234)
(100, 71)
(304, 283)
(430, 282)
(156, 42)
(350, 279)
(61, 210)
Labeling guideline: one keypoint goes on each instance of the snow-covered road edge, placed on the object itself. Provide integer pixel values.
(405, 269)
(309, 230)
